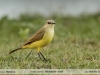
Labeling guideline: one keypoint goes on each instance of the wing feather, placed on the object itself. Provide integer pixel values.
(36, 37)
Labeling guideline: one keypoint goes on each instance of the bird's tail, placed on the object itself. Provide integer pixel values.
(14, 50)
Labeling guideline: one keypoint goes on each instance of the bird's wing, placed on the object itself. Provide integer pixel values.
(37, 36)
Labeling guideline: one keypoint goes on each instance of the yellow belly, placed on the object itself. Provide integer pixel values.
(40, 43)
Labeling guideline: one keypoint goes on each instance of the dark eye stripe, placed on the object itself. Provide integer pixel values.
(50, 23)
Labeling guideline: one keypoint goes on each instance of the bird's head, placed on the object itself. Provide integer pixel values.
(50, 22)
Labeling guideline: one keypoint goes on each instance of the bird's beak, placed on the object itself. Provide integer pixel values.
(53, 23)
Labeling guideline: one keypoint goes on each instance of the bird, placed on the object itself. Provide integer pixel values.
(40, 39)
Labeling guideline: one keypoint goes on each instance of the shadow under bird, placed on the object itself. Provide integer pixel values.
(40, 39)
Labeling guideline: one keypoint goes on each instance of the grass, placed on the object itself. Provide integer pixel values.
(76, 44)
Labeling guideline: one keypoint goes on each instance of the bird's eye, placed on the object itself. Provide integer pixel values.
(49, 23)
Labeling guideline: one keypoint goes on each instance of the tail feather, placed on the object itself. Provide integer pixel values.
(14, 50)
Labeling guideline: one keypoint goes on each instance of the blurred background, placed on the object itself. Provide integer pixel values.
(76, 43)
(13, 8)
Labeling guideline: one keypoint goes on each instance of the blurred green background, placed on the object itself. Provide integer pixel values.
(76, 43)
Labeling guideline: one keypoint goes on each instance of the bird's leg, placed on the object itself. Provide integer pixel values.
(42, 56)
(39, 55)
(29, 54)
(39, 52)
